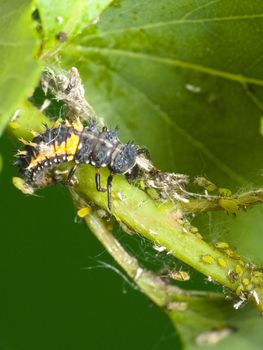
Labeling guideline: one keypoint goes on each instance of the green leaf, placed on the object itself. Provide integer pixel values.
(62, 20)
(19, 72)
(190, 72)
(95, 9)
(210, 321)
(242, 330)
(31, 118)
(185, 79)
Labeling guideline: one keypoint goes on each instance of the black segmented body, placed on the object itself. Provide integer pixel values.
(73, 142)
(103, 149)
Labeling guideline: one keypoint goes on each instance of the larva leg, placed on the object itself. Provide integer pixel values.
(97, 179)
(109, 181)
(70, 177)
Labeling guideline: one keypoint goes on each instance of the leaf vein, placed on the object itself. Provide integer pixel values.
(173, 62)
(212, 2)
(173, 22)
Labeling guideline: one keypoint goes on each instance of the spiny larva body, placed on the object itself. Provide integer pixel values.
(67, 142)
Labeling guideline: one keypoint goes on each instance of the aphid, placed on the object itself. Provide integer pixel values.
(179, 275)
(82, 212)
(239, 270)
(207, 259)
(221, 262)
(221, 245)
(83, 145)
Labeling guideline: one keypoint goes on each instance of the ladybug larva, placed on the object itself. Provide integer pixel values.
(67, 142)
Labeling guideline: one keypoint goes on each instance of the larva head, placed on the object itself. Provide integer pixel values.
(124, 160)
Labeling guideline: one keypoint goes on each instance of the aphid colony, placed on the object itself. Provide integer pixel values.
(67, 142)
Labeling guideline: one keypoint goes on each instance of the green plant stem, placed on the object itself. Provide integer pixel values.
(162, 225)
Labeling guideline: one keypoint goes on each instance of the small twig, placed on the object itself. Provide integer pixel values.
(212, 202)
(179, 304)
(160, 291)
(68, 87)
